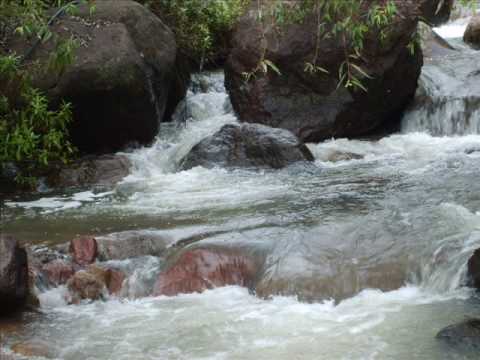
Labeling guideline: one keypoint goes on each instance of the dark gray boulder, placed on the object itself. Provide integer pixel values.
(312, 106)
(14, 288)
(248, 145)
(123, 80)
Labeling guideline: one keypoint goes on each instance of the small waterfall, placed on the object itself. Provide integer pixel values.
(205, 110)
(448, 98)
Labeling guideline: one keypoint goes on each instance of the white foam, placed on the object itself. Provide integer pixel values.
(218, 324)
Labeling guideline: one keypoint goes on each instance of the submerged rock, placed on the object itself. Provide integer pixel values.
(14, 278)
(201, 269)
(123, 77)
(102, 170)
(465, 334)
(84, 250)
(248, 145)
(33, 348)
(472, 33)
(131, 244)
(343, 156)
(331, 281)
(312, 106)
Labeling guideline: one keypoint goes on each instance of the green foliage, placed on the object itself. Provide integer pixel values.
(200, 26)
(32, 133)
(345, 20)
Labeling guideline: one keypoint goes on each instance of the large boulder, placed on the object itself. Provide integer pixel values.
(14, 280)
(248, 145)
(472, 33)
(201, 269)
(312, 105)
(122, 79)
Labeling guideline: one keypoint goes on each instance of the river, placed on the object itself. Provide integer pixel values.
(369, 253)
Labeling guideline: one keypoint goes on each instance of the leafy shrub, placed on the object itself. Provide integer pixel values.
(32, 133)
(200, 26)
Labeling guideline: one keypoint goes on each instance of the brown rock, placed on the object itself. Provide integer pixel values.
(200, 269)
(472, 34)
(58, 272)
(94, 282)
(85, 286)
(83, 250)
(112, 279)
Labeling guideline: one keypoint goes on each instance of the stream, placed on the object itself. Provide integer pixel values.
(366, 255)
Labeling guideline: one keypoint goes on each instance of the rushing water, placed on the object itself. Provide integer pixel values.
(402, 215)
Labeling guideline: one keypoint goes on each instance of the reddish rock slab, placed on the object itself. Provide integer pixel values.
(115, 280)
(201, 269)
(58, 272)
(84, 250)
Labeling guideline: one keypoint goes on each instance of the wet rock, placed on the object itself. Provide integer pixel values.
(84, 250)
(14, 276)
(33, 348)
(473, 270)
(105, 170)
(58, 272)
(312, 106)
(94, 283)
(433, 45)
(343, 156)
(248, 145)
(201, 269)
(112, 279)
(86, 286)
(436, 12)
(331, 282)
(131, 244)
(465, 334)
(115, 281)
(472, 33)
(123, 77)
